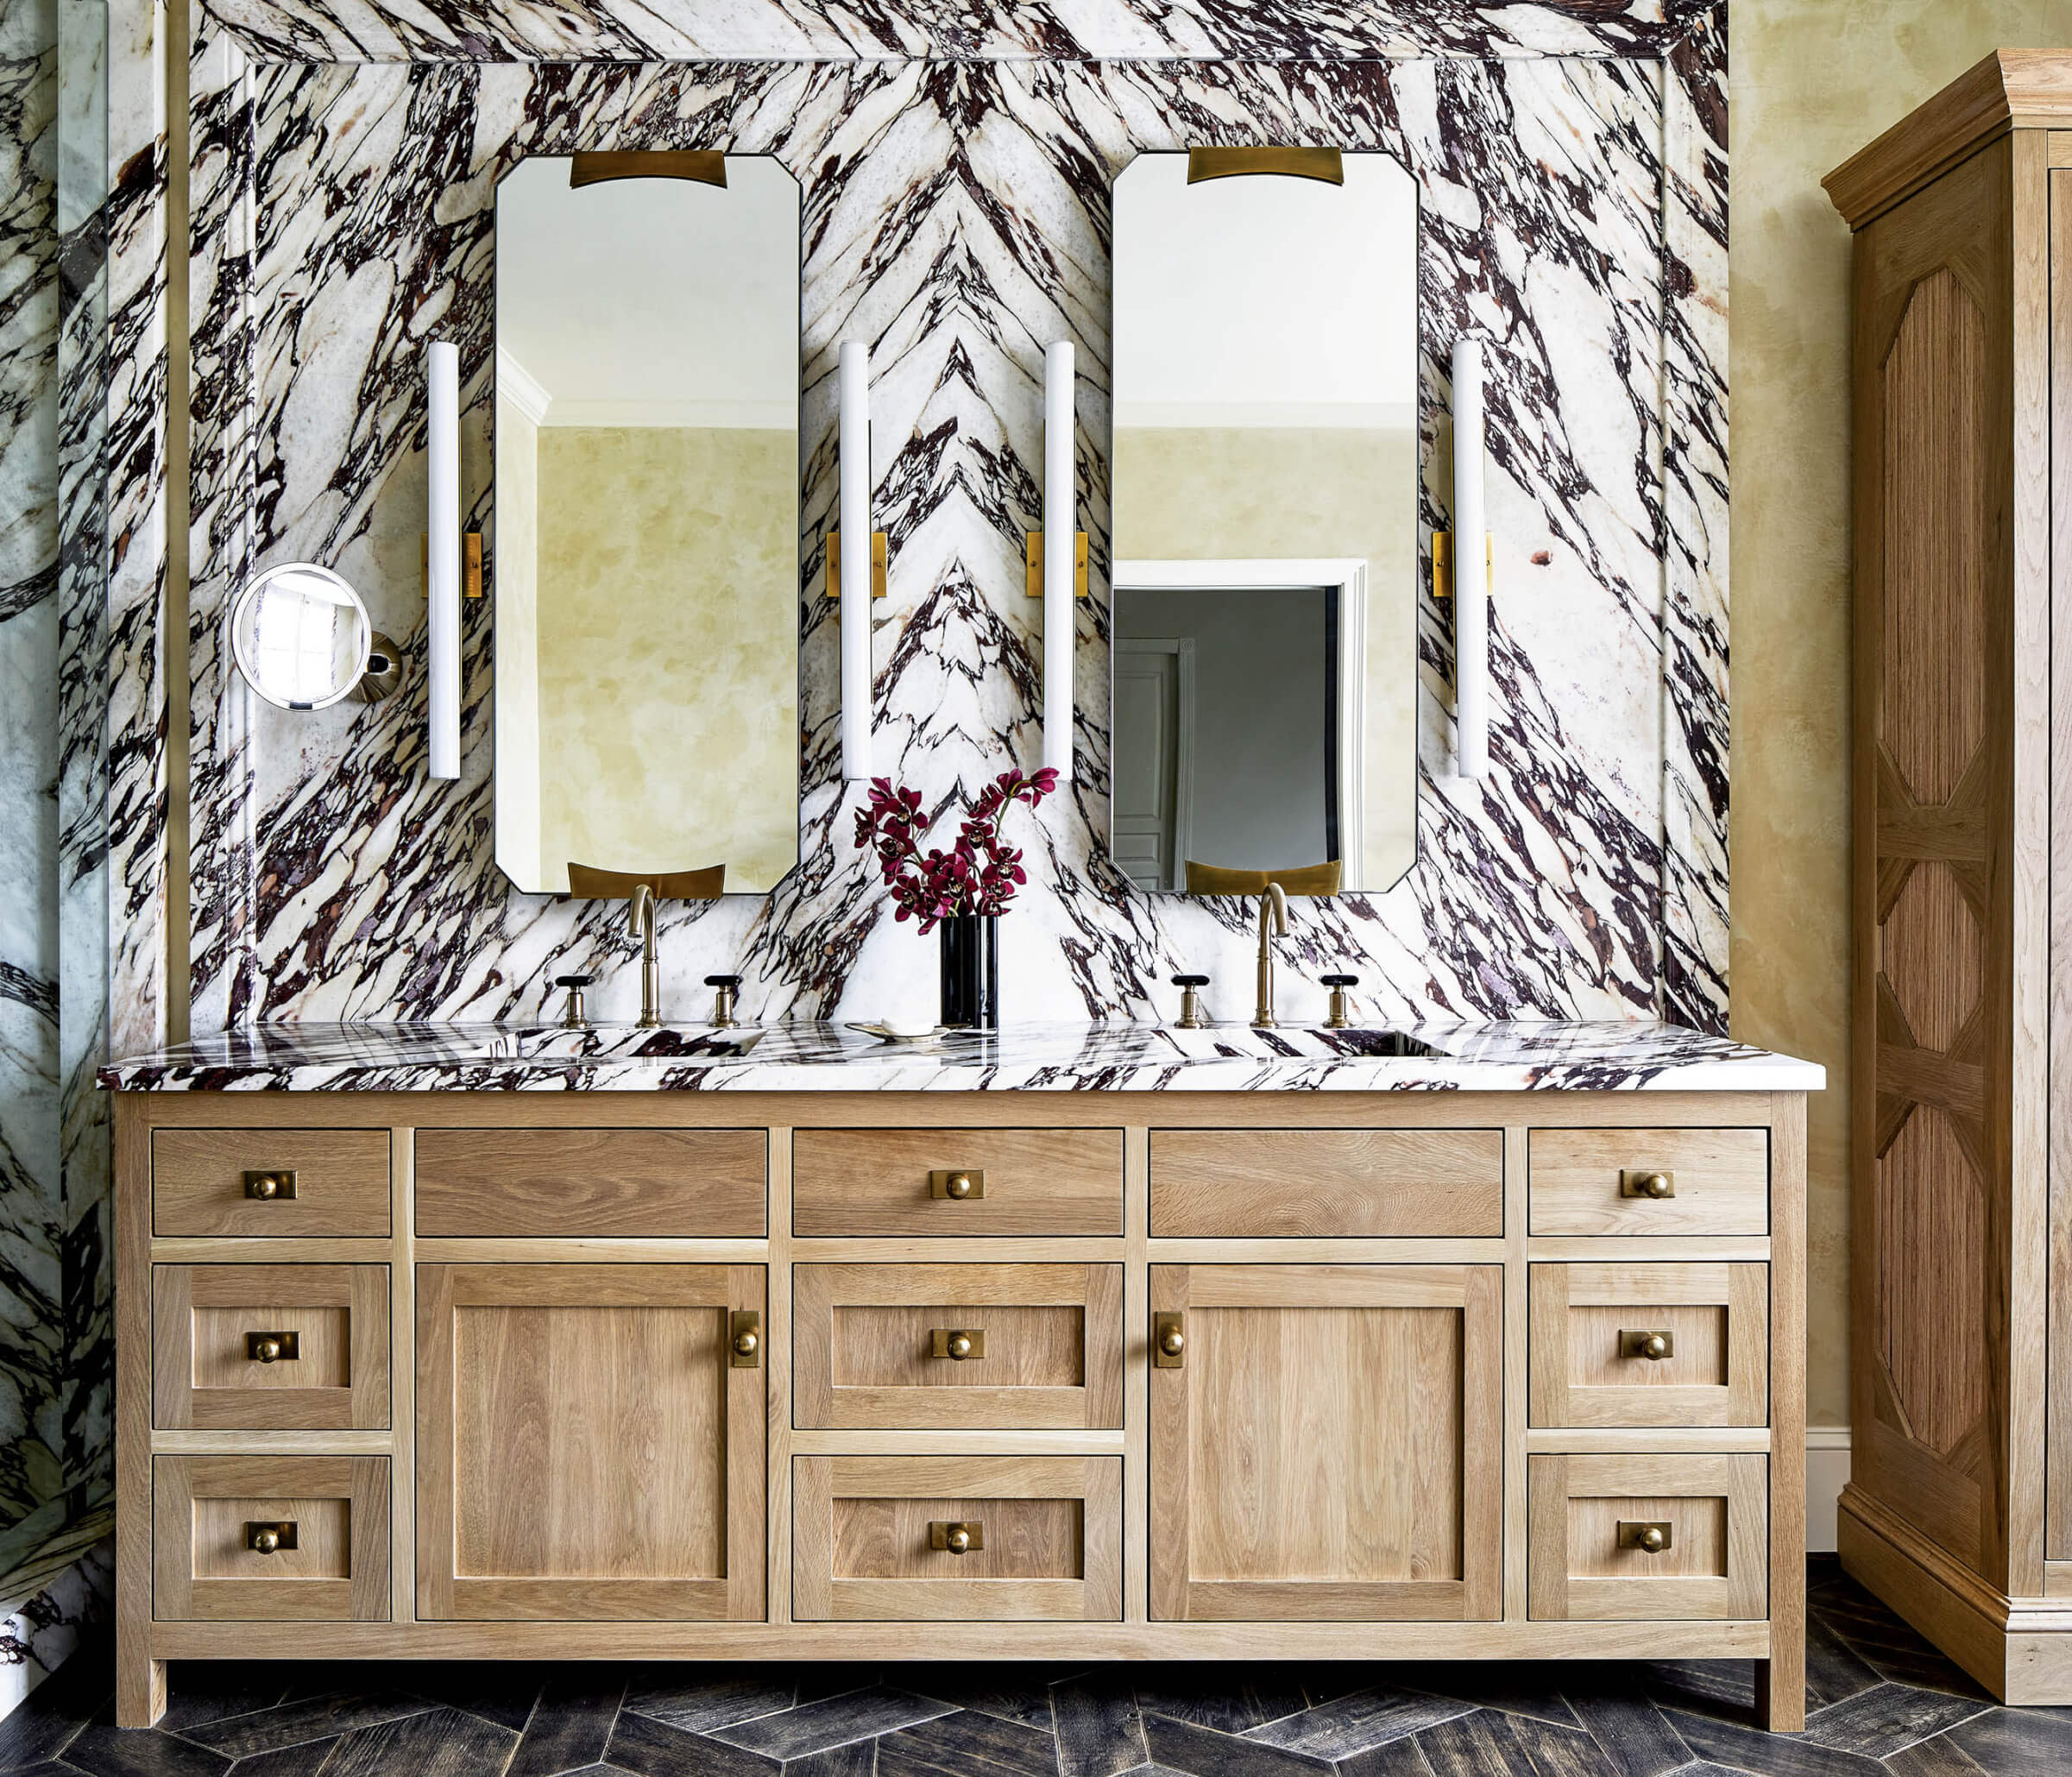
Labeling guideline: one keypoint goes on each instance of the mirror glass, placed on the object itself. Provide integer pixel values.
(647, 550)
(1265, 472)
(300, 636)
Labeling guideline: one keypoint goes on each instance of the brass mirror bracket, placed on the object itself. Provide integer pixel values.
(595, 165)
(958, 1343)
(270, 1185)
(959, 1183)
(1168, 1341)
(1442, 562)
(472, 564)
(1327, 165)
(1032, 557)
(958, 1536)
(1651, 1536)
(272, 1537)
(881, 553)
(273, 1347)
(1653, 1347)
(744, 1339)
(1646, 1182)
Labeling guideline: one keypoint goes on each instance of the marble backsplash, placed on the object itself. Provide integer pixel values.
(1571, 160)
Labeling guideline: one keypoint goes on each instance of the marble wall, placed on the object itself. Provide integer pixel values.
(955, 166)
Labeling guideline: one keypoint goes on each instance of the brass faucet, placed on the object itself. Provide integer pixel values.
(1273, 919)
(641, 923)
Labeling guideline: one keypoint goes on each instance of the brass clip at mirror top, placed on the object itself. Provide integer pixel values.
(1652, 1346)
(1032, 579)
(273, 1347)
(881, 551)
(270, 1185)
(1442, 562)
(959, 1344)
(595, 165)
(1650, 1536)
(271, 1537)
(959, 1537)
(1168, 1341)
(1646, 1182)
(472, 564)
(588, 883)
(1325, 164)
(744, 1339)
(959, 1183)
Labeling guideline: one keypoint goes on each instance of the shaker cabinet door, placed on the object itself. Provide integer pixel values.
(590, 1442)
(1326, 1441)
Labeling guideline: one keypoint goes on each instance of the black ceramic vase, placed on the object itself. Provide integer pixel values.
(971, 971)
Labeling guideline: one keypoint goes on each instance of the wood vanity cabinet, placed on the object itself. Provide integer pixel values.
(1091, 1374)
(1959, 1509)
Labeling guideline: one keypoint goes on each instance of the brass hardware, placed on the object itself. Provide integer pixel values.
(1273, 919)
(724, 988)
(1325, 164)
(1303, 880)
(1644, 1182)
(1191, 1017)
(641, 923)
(1653, 1347)
(1651, 1537)
(1338, 1017)
(594, 165)
(270, 1187)
(745, 1336)
(273, 1347)
(1442, 563)
(270, 1539)
(960, 1183)
(588, 883)
(575, 1018)
(384, 675)
(957, 1343)
(1168, 1341)
(472, 564)
(959, 1537)
(1032, 558)
(881, 549)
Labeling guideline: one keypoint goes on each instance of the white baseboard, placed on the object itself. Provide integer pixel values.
(1827, 1474)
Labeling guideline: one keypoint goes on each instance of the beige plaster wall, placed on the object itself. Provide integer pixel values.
(1241, 493)
(668, 649)
(1811, 82)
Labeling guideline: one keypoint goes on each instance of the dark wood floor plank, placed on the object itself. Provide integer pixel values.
(1769, 1755)
(1205, 1752)
(311, 1718)
(1634, 1735)
(571, 1722)
(1888, 1718)
(1099, 1729)
(1352, 1723)
(441, 1742)
(814, 1727)
(652, 1748)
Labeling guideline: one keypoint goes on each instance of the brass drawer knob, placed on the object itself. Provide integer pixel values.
(1168, 1341)
(957, 1537)
(744, 1339)
(1653, 1347)
(958, 1184)
(1645, 1181)
(1649, 1537)
(961, 1344)
(270, 1185)
(273, 1347)
(270, 1539)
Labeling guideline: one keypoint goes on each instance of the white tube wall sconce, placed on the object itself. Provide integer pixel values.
(1470, 578)
(853, 525)
(442, 557)
(1061, 540)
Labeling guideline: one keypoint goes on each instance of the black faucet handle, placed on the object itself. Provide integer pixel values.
(1190, 980)
(722, 981)
(573, 980)
(1339, 980)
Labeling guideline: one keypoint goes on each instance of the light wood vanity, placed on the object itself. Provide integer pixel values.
(1113, 1374)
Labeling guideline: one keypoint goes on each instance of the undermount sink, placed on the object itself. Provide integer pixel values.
(617, 1042)
(1247, 1043)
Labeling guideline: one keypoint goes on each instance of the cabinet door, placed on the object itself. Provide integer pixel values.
(589, 1447)
(1326, 1441)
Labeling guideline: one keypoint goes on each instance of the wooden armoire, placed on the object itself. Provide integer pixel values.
(1959, 1511)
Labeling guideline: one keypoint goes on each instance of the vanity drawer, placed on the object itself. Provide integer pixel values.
(330, 1514)
(1714, 1511)
(1594, 1359)
(1327, 1183)
(564, 1183)
(885, 1181)
(275, 1347)
(239, 1181)
(1046, 1534)
(934, 1346)
(1589, 1180)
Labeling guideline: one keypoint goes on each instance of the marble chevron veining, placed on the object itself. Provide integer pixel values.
(1062, 1057)
(956, 214)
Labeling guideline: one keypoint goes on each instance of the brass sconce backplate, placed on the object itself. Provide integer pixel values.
(472, 564)
(1032, 582)
(1442, 563)
(881, 551)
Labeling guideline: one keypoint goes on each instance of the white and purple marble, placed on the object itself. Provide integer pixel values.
(1616, 1056)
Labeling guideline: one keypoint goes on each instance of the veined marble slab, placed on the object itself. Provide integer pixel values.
(1048, 1058)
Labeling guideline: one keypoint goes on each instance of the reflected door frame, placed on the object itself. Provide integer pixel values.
(1347, 576)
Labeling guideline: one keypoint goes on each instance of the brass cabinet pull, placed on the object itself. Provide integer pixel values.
(744, 1339)
(273, 1347)
(1650, 1537)
(270, 1539)
(1168, 1341)
(1646, 1182)
(271, 1184)
(1653, 1347)
(960, 1183)
(958, 1343)
(959, 1537)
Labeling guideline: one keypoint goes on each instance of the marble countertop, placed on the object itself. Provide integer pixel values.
(1079, 1057)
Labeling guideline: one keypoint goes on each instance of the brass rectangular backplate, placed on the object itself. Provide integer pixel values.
(270, 1184)
(1634, 1343)
(1032, 570)
(881, 553)
(1442, 563)
(938, 1182)
(973, 1337)
(1637, 1181)
(288, 1347)
(1168, 1341)
(939, 1531)
(471, 563)
(744, 1339)
(283, 1530)
(1640, 1534)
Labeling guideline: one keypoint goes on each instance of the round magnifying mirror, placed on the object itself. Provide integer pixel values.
(301, 637)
